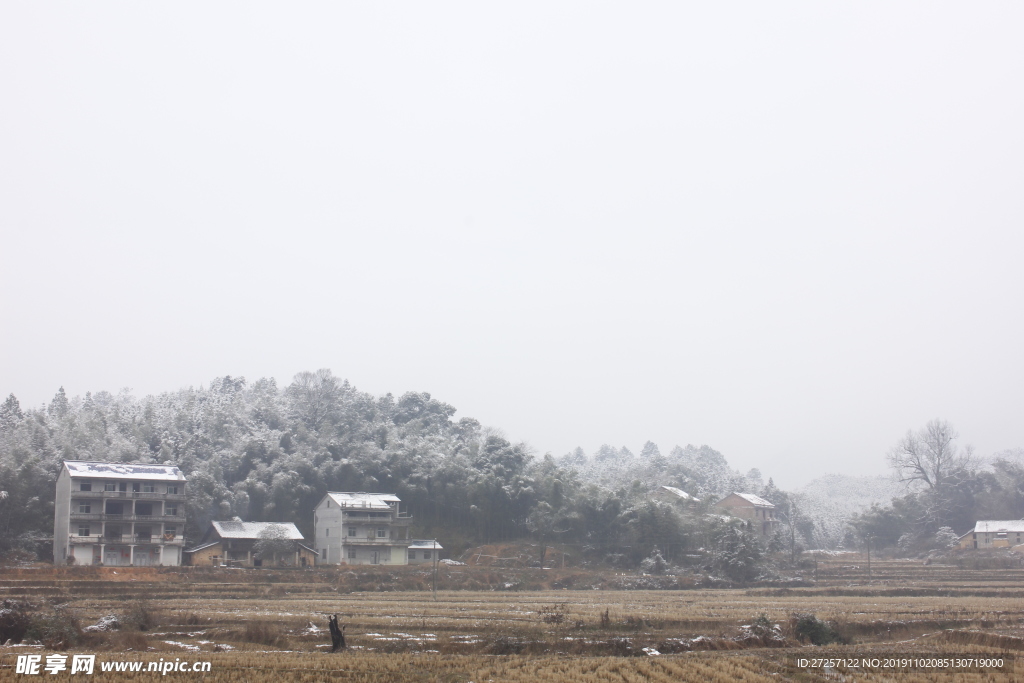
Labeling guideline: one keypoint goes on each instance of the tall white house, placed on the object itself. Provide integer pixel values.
(118, 514)
(361, 528)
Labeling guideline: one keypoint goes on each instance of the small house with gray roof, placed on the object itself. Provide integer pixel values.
(676, 496)
(238, 544)
(361, 528)
(994, 533)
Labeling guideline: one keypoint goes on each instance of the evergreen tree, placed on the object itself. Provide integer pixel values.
(10, 413)
(59, 405)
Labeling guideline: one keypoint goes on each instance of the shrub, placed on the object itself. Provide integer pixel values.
(807, 627)
(737, 555)
(264, 633)
(139, 616)
(945, 538)
(15, 619)
(553, 615)
(655, 564)
(57, 630)
(506, 645)
(762, 626)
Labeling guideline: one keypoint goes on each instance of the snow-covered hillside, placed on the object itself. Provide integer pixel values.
(832, 499)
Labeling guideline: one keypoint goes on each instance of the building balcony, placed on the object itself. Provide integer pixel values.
(86, 539)
(380, 516)
(369, 519)
(107, 517)
(132, 495)
(357, 540)
(159, 540)
(129, 539)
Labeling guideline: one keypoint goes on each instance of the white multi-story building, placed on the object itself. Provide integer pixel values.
(361, 528)
(119, 514)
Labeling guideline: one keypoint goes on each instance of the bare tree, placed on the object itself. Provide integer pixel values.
(272, 543)
(315, 395)
(931, 456)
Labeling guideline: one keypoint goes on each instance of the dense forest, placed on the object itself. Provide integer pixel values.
(260, 452)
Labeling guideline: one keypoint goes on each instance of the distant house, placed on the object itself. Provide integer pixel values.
(118, 514)
(758, 512)
(361, 528)
(992, 533)
(421, 552)
(233, 544)
(670, 494)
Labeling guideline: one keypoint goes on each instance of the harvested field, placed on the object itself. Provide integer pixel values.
(261, 624)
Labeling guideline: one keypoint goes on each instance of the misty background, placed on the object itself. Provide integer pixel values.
(788, 232)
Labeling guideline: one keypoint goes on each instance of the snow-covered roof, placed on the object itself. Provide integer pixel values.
(679, 493)
(368, 501)
(119, 470)
(754, 500)
(252, 530)
(202, 546)
(425, 545)
(995, 525)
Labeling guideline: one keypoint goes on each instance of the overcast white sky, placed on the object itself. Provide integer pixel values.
(789, 231)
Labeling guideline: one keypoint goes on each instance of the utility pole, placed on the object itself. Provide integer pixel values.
(868, 539)
(433, 554)
(792, 534)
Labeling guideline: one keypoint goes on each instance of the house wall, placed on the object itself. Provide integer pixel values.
(991, 539)
(62, 519)
(170, 556)
(206, 557)
(309, 556)
(328, 532)
(419, 559)
(82, 553)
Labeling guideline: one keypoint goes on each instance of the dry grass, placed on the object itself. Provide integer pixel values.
(715, 667)
(254, 625)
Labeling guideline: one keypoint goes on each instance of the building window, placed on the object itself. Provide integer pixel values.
(351, 553)
(83, 530)
(171, 510)
(426, 554)
(85, 486)
(84, 508)
(110, 486)
(170, 532)
(148, 487)
(327, 532)
(351, 531)
(323, 554)
(382, 533)
(172, 489)
(412, 554)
